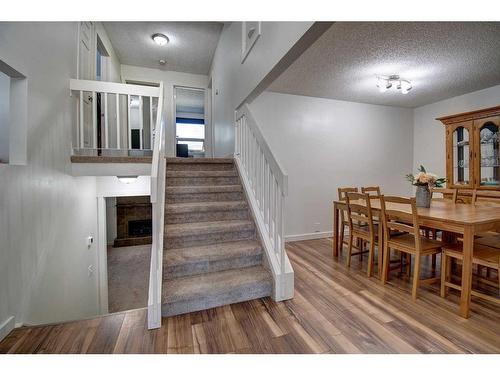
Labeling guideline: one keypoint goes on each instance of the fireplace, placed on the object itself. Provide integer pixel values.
(133, 221)
(140, 228)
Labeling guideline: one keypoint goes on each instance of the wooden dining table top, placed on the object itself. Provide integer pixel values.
(445, 211)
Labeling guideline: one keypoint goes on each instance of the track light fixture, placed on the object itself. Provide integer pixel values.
(384, 83)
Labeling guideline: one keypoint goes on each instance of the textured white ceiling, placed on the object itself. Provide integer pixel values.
(190, 50)
(441, 59)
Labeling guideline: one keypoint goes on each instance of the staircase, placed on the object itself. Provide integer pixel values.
(212, 256)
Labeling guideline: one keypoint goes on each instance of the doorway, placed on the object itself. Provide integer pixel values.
(128, 251)
(190, 122)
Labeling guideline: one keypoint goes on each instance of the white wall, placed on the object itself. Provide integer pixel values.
(324, 144)
(233, 81)
(170, 79)
(45, 214)
(110, 186)
(4, 117)
(429, 144)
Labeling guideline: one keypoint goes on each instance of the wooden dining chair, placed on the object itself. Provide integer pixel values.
(360, 219)
(371, 190)
(483, 256)
(343, 213)
(491, 238)
(444, 194)
(464, 196)
(400, 214)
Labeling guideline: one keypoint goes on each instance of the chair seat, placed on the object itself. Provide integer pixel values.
(483, 255)
(407, 240)
(491, 240)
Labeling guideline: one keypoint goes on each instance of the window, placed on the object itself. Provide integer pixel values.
(13, 115)
(191, 132)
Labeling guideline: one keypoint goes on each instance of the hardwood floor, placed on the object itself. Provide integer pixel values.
(334, 310)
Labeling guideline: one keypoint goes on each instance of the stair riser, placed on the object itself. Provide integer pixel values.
(197, 268)
(192, 217)
(250, 292)
(207, 239)
(202, 181)
(200, 167)
(204, 197)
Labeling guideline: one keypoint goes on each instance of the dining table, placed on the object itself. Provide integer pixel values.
(465, 220)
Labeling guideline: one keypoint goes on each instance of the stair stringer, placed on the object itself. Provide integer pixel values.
(283, 284)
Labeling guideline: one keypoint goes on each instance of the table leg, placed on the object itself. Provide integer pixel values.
(468, 243)
(335, 230)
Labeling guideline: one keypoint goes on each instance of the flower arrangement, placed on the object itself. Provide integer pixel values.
(424, 178)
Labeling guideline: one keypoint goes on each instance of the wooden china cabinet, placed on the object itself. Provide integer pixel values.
(472, 157)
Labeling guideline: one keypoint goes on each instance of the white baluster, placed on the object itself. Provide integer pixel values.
(106, 133)
(81, 123)
(141, 123)
(276, 216)
(151, 122)
(128, 124)
(94, 118)
(118, 143)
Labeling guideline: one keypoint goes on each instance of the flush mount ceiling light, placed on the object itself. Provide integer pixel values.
(160, 39)
(127, 179)
(384, 83)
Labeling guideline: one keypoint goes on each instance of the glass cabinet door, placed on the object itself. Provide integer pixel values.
(487, 157)
(461, 143)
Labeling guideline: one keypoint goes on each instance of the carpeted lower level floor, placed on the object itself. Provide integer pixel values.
(128, 277)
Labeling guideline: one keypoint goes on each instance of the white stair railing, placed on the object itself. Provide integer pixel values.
(265, 185)
(158, 181)
(124, 108)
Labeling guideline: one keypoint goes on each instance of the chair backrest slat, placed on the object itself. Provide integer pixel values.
(343, 191)
(372, 190)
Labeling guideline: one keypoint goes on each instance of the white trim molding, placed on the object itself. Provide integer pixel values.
(308, 236)
(7, 326)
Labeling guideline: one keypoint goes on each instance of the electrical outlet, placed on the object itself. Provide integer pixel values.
(317, 227)
(90, 241)
(90, 270)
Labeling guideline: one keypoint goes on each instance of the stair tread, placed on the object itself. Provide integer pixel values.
(210, 284)
(219, 251)
(175, 208)
(197, 189)
(199, 160)
(206, 227)
(189, 173)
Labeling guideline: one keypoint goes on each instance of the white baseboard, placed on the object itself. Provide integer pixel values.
(7, 326)
(308, 236)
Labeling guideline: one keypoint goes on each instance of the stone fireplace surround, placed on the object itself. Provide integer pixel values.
(133, 221)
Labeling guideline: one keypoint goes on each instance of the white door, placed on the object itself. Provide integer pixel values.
(85, 70)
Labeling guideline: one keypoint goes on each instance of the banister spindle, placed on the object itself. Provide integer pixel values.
(118, 140)
(106, 133)
(94, 118)
(276, 217)
(81, 122)
(141, 123)
(128, 123)
(151, 122)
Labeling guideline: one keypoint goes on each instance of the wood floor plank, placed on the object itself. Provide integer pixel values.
(334, 310)
(107, 332)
